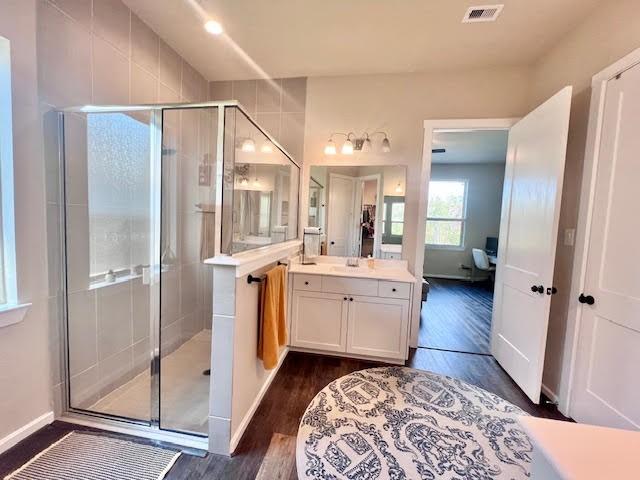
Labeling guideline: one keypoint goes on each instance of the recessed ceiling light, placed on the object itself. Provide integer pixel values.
(213, 27)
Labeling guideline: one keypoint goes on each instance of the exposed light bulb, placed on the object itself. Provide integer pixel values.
(213, 27)
(398, 188)
(248, 145)
(366, 145)
(386, 146)
(347, 147)
(256, 182)
(266, 148)
(330, 148)
(244, 182)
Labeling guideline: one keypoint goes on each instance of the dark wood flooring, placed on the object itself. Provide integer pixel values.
(270, 437)
(457, 316)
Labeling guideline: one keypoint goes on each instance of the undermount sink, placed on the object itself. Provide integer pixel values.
(360, 269)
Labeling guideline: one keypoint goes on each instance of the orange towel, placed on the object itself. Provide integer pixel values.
(272, 332)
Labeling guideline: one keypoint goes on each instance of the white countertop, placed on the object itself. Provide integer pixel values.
(392, 270)
(583, 451)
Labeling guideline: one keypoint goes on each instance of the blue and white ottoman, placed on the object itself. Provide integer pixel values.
(400, 423)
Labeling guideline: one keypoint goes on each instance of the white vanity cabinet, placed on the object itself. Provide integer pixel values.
(362, 317)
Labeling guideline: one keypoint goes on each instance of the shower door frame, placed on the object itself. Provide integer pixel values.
(152, 428)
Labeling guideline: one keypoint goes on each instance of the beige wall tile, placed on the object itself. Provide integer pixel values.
(169, 297)
(292, 134)
(145, 45)
(221, 91)
(111, 21)
(114, 319)
(110, 74)
(83, 352)
(141, 311)
(193, 85)
(84, 388)
(114, 372)
(79, 10)
(143, 85)
(167, 95)
(64, 71)
(77, 237)
(245, 92)
(294, 94)
(75, 143)
(271, 123)
(170, 68)
(269, 96)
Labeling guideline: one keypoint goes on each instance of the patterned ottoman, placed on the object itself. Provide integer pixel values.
(400, 423)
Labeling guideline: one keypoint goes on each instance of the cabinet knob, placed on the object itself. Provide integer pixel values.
(393, 289)
(345, 298)
(306, 283)
(351, 299)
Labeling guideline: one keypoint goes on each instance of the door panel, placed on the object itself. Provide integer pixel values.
(340, 215)
(319, 321)
(528, 232)
(609, 339)
(378, 327)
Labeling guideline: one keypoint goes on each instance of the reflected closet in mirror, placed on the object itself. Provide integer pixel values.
(358, 209)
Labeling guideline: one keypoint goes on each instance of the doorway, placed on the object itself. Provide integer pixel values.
(461, 244)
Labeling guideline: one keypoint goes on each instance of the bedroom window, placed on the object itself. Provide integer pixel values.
(392, 219)
(446, 213)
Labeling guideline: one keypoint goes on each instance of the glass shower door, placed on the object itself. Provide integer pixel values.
(188, 238)
(111, 203)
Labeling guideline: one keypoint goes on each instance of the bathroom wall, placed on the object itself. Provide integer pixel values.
(278, 105)
(24, 347)
(101, 53)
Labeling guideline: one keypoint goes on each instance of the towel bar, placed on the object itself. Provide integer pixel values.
(251, 279)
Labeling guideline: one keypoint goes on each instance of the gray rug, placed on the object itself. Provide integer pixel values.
(96, 457)
(399, 423)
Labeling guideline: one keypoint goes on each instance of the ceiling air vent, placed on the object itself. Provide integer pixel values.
(482, 13)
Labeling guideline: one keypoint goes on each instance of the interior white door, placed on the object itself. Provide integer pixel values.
(607, 384)
(527, 245)
(340, 215)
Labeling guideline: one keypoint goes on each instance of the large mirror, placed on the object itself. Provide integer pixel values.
(358, 210)
(265, 188)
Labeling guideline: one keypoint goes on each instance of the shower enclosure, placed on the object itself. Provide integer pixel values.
(149, 193)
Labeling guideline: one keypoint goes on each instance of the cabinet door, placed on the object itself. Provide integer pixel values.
(319, 321)
(378, 327)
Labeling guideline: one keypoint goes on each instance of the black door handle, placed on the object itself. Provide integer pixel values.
(537, 288)
(588, 299)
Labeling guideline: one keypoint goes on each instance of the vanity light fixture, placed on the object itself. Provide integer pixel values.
(266, 148)
(354, 143)
(347, 147)
(398, 188)
(213, 27)
(244, 182)
(248, 145)
(330, 148)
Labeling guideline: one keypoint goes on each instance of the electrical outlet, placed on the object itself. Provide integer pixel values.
(569, 237)
(204, 175)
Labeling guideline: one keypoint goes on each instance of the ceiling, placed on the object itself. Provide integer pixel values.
(477, 146)
(288, 38)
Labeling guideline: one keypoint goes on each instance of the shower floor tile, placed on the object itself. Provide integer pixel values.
(184, 397)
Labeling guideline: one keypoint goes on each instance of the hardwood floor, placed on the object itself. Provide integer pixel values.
(457, 316)
(267, 450)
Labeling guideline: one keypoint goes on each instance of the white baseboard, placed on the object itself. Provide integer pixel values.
(23, 432)
(235, 439)
(550, 394)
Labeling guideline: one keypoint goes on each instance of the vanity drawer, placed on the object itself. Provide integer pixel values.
(302, 281)
(393, 289)
(350, 286)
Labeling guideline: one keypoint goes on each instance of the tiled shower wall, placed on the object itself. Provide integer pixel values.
(99, 52)
(278, 105)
